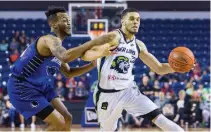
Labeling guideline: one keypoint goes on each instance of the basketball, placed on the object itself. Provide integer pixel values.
(181, 59)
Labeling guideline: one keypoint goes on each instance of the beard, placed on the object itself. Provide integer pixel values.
(67, 33)
(131, 32)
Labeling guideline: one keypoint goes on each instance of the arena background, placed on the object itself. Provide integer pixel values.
(164, 26)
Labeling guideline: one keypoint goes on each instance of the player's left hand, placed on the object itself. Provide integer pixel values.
(194, 65)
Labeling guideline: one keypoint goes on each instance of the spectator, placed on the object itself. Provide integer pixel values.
(32, 125)
(71, 83)
(195, 116)
(168, 111)
(200, 89)
(71, 93)
(30, 41)
(161, 100)
(189, 88)
(156, 89)
(59, 77)
(3, 109)
(14, 45)
(205, 106)
(85, 81)
(3, 46)
(133, 121)
(196, 73)
(146, 88)
(17, 36)
(180, 108)
(13, 57)
(60, 90)
(166, 88)
(205, 77)
(12, 111)
(81, 91)
(22, 44)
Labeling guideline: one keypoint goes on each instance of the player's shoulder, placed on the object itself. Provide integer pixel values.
(49, 39)
(115, 33)
(141, 44)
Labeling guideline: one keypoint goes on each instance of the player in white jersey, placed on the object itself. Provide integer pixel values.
(116, 90)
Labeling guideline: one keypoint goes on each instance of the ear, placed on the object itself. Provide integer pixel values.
(122, 21)
(54, 24)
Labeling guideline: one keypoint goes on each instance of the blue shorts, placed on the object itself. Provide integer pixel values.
(28, 98)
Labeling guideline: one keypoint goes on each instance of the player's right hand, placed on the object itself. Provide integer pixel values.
(106, 50)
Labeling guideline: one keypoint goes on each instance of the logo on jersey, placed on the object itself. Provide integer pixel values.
(104, 105)
(51, 70)
(56, 60)
(121, 64)
(34, 104)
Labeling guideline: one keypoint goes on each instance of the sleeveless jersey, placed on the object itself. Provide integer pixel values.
(35, 68)
(115, 71)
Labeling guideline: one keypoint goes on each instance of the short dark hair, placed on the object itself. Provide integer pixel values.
(52, 10)
(124, 13)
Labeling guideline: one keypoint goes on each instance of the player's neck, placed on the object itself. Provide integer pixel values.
(59, 34)
(127, 34)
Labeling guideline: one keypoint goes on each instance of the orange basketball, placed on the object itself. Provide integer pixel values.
(181, 59)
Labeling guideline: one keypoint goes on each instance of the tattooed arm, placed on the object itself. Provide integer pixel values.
(70, 72)
(56, 48)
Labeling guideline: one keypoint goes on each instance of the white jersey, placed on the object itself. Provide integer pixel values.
(115, 72)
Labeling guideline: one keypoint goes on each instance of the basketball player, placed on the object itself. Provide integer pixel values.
(116, 89)
(30, 87)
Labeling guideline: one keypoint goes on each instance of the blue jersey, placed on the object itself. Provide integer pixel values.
(31, 85)
(34, 67)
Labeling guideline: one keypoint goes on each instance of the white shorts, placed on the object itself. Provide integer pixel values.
(111, 105)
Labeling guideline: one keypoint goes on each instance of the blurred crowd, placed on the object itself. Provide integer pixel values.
(183, 98)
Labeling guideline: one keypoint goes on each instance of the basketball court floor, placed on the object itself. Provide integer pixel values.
(79, 128)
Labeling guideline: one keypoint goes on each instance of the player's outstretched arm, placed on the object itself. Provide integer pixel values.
(152, 62)
(56, 48)
(97, 52)
(102, 50)
(70, 72)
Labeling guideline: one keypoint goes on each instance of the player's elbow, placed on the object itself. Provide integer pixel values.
(86, 58)
(66, 57)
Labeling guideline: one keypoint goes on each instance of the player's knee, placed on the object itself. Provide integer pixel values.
(152, 115)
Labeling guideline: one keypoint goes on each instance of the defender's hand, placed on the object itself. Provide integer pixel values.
(105, 50)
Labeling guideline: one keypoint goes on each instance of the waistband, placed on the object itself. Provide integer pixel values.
(108, 90)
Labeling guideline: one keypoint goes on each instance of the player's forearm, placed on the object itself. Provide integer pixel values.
(154, 64)
(91, 55)
(80, 70)
(165, 69)
(77, 52)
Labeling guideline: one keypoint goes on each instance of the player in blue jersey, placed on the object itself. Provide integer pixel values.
(31, 85)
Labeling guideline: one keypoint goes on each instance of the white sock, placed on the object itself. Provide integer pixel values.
(167, 125)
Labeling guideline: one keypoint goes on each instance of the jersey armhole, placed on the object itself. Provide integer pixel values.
(137, 47)
(37, 49)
